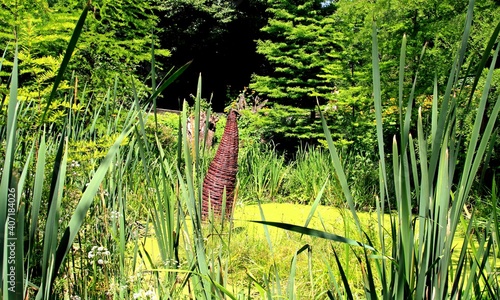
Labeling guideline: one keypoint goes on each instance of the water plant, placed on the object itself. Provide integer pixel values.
(413, 256)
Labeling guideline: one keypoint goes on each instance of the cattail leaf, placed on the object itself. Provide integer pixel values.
(169, 81)
(86, 200)
(8, 182)
(347, 287)
(340, 172)
(315, 204)
(49, 261)
(67, 56)
(315, 233)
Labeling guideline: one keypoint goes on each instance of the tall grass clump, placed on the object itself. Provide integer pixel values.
(37, 230)
(71, 210)
(309, 171)
(194, 250)
(263, 174)
(419, 255)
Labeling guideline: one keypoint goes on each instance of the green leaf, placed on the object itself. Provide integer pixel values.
(315, 233)
(67, 56)
(87, 199)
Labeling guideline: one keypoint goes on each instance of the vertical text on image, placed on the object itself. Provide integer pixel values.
(11, 239)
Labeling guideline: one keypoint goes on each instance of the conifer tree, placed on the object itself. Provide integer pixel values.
(323, 49)
(294, 52)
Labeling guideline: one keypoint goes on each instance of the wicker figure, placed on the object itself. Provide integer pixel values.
(222, 172)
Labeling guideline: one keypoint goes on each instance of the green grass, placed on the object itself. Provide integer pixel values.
(268, 176)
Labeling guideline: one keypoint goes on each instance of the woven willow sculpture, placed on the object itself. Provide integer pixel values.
(222, 172)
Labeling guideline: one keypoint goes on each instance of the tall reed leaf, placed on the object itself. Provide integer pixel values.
(8, 188)
(315, 233)
(340, 172)
(86, 200)
(67, 56)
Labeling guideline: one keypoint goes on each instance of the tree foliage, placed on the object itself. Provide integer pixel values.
(294, 52)
(42, 34)
(306, 51)
(115, 42)
(323, 49)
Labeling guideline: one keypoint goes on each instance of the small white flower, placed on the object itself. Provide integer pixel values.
(100, 249)
(115, 215)
(106, 252)
(100, 261)
(91, 254)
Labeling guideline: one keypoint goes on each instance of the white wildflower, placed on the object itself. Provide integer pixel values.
(151, 294)
(138, 295)
(115, 215)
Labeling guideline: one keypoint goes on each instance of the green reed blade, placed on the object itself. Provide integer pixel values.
(339, 170)
(49, 259)
(315, 233)
(473, 160)
(37, 190)
(315, 204)
(168, 81)
(8, 181)
(266, 230)
(86, 200)
(347, 288)
(3, 55)
(484, 59)
(291, 279)
(67, 56)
